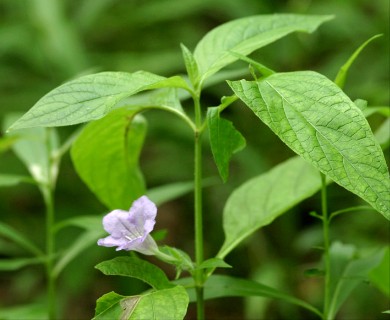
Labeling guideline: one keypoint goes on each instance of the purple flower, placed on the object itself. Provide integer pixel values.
(129, 230)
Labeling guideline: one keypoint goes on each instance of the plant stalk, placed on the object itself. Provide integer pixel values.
(198, 215)
(325, 230)
(50, 250)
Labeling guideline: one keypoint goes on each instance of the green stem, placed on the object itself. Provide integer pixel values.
(325, 229)
(50, 250)
(47, 190)
(198, 210)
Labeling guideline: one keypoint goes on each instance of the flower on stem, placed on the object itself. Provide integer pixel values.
(130, 230)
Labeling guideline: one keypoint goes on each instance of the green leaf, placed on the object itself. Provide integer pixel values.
(218, 286)
(380, 276)
(106, 155)
(343, 72)
(90, 98)
(14, 235)
(320, 123)
(164, 304)
(7, 180)
(108, 306)
(225, 140)
(84, 222)
(382, 134)
(81, 243)
(32, 311)
(191, 65)
(18, 263)
(6, 142)
(135, 268)
(246, 35)
(35, 147)
(260, 200)
(214, 263)
(168, 192)
(348, 271)
(159, 305)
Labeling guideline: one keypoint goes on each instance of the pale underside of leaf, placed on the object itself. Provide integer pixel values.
(319, 122)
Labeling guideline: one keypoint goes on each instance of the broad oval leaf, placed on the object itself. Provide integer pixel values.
(314, 117)
(245, 35)
(106, 154)
(90, 98)
(260, 200)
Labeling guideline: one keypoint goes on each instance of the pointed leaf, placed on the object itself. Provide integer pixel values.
(18, 263)
(9, 232)
(191, 65)
(7, 180)
(159, 305)
(34, 147)
(380, 276)
(225, 140)
(214, 263)
(343, 72)
(245, 35)
(164, 304)
(320, 123)
(90, 98)
(106, 154)
(348, 271)
(218, 286)
(135, 268)
(260, 200)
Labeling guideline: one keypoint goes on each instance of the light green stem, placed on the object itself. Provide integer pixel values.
(50, 250)
(325, 230)
(198, 210)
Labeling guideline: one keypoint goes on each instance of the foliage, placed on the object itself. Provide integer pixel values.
(119, 157)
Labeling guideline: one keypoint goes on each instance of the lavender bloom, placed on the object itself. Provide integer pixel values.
(129, 230)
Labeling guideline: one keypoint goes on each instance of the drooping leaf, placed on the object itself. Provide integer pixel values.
(225, 140)
(380, 276)
(32, 311)
(18, 263)
(320, 123)
(343, 72)
(219, 286)
(106, 155)
(7, 180)
(348, 271)
(260, 200)
(90, 97)
(246, 35)
(135, 268)
(35, 147)
(159, 305)
(79, 244)
(12, 234)
(165, 193)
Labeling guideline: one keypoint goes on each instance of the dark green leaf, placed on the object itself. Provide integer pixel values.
(108, 306)
(380, 275)
(320, 123)
(106, 155)
(225, 140)
(135, 268)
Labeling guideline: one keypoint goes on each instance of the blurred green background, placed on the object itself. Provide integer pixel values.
(46, 42)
